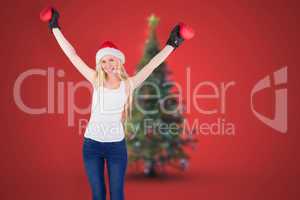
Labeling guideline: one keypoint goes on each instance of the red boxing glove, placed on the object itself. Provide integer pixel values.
(186, 32)
(50, 15)
(46, 14)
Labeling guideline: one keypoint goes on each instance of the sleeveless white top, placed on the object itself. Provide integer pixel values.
(105, 123)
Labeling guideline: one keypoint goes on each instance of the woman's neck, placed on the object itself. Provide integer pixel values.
(112, 82)
(112, 79)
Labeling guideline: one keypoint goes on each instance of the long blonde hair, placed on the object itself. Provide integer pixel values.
(101, 75)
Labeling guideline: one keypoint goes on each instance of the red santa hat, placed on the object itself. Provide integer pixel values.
(108, 48)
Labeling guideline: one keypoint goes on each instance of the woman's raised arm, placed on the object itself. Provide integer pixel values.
(174, 41)
(70, 52)
(51, 15)
(143, 74)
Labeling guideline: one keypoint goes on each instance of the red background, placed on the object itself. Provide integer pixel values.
(239, 41)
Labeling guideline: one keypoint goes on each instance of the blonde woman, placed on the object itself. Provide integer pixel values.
(104, 138)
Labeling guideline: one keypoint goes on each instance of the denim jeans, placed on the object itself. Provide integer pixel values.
(95, 154)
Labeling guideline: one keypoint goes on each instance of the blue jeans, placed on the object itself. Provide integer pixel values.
(94, 156)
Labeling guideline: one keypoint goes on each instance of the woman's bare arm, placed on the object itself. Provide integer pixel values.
(143, 74)
(70, 52)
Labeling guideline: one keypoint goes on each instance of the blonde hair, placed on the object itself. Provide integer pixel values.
(101, 75)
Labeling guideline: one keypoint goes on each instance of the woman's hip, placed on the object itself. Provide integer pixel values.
(106, 149)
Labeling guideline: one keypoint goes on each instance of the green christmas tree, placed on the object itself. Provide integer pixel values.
(157, 147)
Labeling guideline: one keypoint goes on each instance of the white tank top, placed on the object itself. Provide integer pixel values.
(105, 123)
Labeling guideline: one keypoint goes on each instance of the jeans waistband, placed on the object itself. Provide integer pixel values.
(99, 142)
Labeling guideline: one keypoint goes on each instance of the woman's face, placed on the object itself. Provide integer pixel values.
(110, 64)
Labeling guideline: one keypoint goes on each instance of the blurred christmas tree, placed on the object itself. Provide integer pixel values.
(156, 136)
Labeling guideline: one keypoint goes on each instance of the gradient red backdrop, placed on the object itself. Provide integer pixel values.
(240, 41)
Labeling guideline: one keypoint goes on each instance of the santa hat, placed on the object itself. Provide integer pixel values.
(108, 48)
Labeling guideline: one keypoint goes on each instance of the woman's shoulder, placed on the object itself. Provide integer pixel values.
(128, 85)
